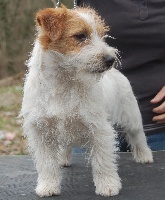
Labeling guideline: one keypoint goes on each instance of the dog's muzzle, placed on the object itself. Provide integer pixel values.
(108, 62)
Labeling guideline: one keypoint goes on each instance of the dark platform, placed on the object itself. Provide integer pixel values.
(140, 181)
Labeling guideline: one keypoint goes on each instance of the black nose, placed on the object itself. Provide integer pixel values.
(109, 60)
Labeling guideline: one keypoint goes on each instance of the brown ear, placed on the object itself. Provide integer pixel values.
(51, 21)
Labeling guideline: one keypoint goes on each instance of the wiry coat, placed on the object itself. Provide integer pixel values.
(71, 99)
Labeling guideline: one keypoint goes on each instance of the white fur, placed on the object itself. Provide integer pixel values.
(67, 104)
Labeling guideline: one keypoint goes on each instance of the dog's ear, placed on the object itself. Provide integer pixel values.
(51, 21)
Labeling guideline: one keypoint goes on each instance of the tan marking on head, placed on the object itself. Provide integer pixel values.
(63, 30)
(101, 27)
(52, 21)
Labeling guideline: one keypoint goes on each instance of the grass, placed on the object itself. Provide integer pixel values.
(17, 90)
(10, 105)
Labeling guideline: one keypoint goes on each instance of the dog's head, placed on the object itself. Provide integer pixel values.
(78, 36)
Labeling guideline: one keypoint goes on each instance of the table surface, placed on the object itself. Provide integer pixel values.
(140, 181)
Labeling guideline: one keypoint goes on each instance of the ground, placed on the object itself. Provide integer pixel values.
(11, 140)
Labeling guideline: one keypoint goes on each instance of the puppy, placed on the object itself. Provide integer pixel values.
(73, 96)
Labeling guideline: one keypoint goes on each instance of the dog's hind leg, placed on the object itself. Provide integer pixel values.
(103, 159)
(141, 152)
(45, 156)
(128, 116)
(134, 133)
(64, 156)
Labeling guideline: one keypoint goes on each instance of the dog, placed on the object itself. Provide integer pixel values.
(73, 96)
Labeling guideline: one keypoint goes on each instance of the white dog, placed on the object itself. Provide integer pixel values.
(73, 97)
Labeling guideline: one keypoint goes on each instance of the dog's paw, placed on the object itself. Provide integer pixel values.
(46, 190)
(143, 155)
(64, 160)
(65, 163)
(107, 189)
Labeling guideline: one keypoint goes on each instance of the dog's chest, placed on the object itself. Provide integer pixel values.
(76, 101)
(77, 127)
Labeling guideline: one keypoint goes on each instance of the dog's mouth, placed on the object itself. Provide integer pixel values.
(104, 68)
(101, 70)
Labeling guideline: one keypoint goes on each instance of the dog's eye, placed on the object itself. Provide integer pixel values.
(81, 37)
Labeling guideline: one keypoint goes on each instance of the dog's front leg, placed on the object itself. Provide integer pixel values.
(44, 152)
(49, 177)
(103, 159)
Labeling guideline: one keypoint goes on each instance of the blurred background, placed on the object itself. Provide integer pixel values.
(17, 33)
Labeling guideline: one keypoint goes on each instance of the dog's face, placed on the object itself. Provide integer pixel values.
(78, 35)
